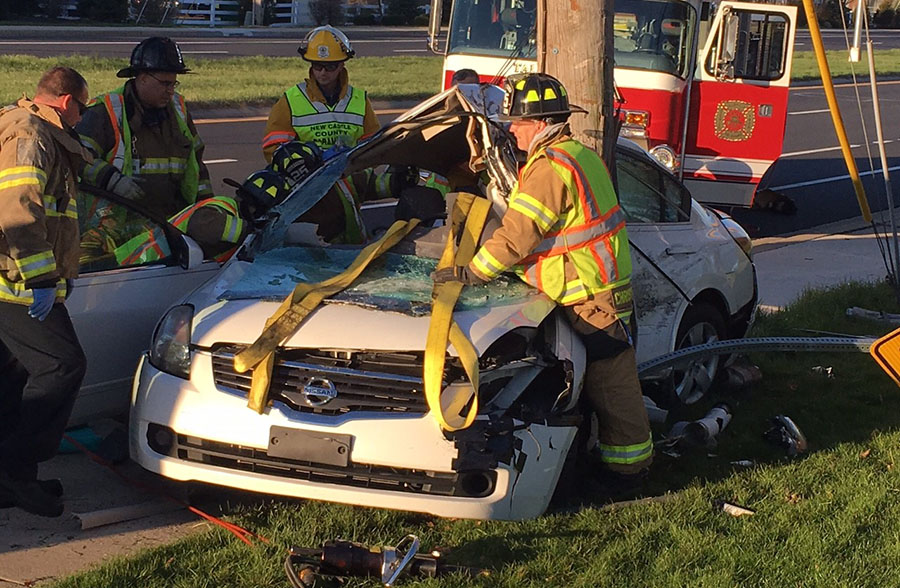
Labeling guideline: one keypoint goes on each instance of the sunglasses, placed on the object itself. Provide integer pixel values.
(82, 107)
(165, 84)
(331, 66)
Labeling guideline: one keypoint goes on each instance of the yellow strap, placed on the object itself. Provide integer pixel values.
(303, 300)
(447, 405)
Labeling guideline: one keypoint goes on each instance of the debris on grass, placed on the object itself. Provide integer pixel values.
(744, 463)
(826, 371)
(787, 434)
(734, 510)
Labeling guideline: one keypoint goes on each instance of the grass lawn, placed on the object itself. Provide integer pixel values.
(261, 80)
(825, 519)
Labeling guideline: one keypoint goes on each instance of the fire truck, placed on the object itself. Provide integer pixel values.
(702, 85)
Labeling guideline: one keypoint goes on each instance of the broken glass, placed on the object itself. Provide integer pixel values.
(393, 282)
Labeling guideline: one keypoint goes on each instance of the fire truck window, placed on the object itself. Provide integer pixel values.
(649, 194)
(760, 50)
(653, 35)
(494, 27)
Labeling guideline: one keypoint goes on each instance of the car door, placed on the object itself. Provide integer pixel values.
(665, 248)
(115, 305)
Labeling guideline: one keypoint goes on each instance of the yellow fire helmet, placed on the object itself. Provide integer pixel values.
(325, 43)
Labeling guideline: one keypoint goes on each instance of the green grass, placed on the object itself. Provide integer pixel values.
(826, 519)
(805, 66)
(235, 81)
(259, 81)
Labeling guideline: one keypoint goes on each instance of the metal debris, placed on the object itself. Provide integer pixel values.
(702, 432)
(787, 434)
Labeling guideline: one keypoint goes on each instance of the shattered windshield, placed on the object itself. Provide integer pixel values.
(394, 282)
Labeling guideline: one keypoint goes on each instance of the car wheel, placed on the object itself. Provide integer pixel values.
(702, 323)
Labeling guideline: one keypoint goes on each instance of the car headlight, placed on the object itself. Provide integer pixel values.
(170, 348)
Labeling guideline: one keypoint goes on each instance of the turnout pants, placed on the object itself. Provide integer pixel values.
(612, 388)
(41, 368)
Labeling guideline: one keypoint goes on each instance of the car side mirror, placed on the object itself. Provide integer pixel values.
(193, 253)
(727, 48)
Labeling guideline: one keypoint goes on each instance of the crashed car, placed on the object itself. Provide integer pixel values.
(347, 419)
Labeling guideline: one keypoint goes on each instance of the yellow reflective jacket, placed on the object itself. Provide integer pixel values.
(39, 166)
(564, 232)
(281, 127)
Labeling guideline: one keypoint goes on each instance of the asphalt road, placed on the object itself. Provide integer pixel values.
(278, 41)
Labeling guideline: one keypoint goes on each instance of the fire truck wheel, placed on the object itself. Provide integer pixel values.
(701, 323)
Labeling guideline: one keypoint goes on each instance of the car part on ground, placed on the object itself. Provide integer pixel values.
(347, 558)
(787, 434)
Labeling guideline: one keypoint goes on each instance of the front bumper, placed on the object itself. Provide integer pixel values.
(194, 430)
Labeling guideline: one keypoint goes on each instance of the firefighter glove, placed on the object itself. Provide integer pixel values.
(43, 303)
(125, 186)
(459, 273)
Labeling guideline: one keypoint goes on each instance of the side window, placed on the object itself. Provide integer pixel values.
(749, 46)
(648, 194)
(114, 236)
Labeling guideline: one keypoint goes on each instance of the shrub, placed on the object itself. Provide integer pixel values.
(103, 10)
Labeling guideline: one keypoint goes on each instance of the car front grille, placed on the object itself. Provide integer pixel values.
(471, 484)
(334, 383)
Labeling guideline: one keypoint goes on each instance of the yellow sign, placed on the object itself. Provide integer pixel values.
(886, 352)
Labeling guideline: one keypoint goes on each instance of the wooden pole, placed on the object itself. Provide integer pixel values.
(575, 45)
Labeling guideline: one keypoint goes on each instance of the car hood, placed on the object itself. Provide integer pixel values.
(387, 308)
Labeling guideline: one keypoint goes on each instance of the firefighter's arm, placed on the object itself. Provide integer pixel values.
(204, 185)
(24, 170)
(212, 225)
(534, 208)
(97, 136)
(370, 121)
(278, 128)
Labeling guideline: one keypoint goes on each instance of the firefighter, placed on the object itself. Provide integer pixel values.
(564, 234)
(41, 361)
(323, 109)
(143, 137)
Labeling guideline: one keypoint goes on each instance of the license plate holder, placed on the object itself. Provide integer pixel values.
(312, 446)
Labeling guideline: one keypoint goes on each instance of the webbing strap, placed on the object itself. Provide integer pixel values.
(260, 356)
(447, 404)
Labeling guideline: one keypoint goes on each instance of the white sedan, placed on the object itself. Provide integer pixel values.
(347, 419)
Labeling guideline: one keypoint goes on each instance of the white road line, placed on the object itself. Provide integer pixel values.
(212, 161)
(825, 149)
(411, 50)
(809, 111)
(831, 179)
(204, 52)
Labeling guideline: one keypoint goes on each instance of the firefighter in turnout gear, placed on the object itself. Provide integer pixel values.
(324, 108)
(41, 361)
(564, 234)
(143, 137)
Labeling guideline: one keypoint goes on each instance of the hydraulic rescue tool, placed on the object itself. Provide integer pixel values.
(305, 566)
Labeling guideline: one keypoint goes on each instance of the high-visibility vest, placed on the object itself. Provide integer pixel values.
(591, 234)
(316, 122)
(152, 245)
(121, 156)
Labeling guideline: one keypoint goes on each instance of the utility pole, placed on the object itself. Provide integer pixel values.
(575, 45)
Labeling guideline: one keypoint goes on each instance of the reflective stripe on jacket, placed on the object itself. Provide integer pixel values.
(151, 245)
(316, 122)
(564, 232)
(39, 167)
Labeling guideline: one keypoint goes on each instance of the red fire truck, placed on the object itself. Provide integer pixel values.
(704, 85)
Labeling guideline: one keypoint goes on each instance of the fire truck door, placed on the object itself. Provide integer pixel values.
(738, 103)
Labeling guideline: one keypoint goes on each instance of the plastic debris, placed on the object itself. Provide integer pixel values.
(702, 432)
(735, 510)
(787, 434)
(874, 315)
(744, 463)
(826, 371)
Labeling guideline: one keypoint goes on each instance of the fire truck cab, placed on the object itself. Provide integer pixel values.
(703, 85)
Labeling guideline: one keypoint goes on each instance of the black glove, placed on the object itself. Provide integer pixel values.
(459, 273)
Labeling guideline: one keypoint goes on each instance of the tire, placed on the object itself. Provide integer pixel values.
(701, 323)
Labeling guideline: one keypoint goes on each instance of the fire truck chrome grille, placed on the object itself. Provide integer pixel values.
(313, 381)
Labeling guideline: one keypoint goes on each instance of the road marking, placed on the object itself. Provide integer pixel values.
(831, 179)
(411, 50)
(810, 111)
(847, 85)
(204, 52)
(825, 149)
(212, 121)
(212, 161)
